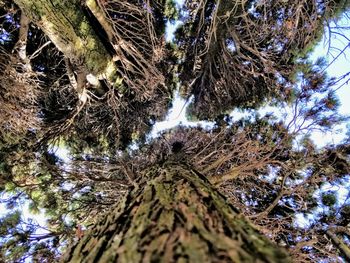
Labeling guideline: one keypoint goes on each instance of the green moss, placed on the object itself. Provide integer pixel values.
(69, 29)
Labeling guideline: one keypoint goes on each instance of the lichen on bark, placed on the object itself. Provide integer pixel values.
(65, 23)
(174, 215)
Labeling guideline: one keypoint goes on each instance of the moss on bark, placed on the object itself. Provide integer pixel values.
(65, 23)
(175, 215)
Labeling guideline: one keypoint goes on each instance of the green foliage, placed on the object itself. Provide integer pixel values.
(339, 8)
(225, 56)
(170, 11)
(9, 222)
(220, 78)
(329, 198)
(345, 211)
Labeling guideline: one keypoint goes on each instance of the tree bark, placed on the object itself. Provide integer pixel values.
(174, 215)
(66, 24)
(344, 249)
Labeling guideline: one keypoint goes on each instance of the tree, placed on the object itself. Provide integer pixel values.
(174, 215)
(91, 77)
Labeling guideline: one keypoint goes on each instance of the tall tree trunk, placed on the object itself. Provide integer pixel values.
(68, 27)
(174, 215)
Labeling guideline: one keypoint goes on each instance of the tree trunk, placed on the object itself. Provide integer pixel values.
(68, 27)
(174, 215)
(344, 249)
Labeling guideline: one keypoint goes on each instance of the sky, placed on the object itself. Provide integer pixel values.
(341, 65)
(336, 69)
(177, 114)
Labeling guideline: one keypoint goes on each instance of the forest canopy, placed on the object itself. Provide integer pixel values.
(91, 78)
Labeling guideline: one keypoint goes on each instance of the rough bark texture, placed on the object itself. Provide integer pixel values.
(344, 249)
(174, 215)
(66, 24)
